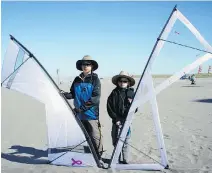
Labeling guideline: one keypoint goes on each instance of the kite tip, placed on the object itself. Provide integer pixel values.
(167, 167)
(175, 7)
(11, 37)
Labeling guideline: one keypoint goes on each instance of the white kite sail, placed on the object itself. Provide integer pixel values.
(67, 139)
(146, 82)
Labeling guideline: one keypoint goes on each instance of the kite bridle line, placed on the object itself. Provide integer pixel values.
(183, 45)
(15, 70)
(68, 151)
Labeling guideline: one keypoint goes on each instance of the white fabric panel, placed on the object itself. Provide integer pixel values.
(149, 167)
(9, 60)
(196, 33)
(176, 77)
(169, 26)
(63, 129)
(139, 93)
(156, 119)
(186, 69)
(164, 36)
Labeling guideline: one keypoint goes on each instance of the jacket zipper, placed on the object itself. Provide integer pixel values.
(122, 103)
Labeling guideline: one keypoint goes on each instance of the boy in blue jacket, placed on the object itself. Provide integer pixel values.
(86, 91)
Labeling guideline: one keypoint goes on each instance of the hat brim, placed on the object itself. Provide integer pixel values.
(115, 79)
(79, 64)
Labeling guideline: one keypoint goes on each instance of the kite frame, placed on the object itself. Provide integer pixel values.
(152, 97)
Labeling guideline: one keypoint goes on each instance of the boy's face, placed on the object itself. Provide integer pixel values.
(86, 67)
(123, 82)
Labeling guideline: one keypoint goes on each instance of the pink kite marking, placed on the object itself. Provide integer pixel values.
(78, 162)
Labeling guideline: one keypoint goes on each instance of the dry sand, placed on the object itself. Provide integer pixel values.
(186, 119)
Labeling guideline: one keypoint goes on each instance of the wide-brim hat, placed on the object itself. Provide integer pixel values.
(123, 74)
(86, 58)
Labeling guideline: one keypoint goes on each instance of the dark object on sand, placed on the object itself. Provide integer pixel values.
(193, 79)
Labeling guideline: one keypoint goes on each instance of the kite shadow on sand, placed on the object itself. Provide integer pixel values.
(204, 100)
(17, 156)
(34, 158)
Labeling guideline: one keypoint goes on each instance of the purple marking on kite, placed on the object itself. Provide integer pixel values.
(78, 162)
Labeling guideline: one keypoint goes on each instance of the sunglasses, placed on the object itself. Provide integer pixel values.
(123, 81)
(86, 64)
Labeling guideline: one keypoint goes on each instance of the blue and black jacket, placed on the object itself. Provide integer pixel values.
(86, 93)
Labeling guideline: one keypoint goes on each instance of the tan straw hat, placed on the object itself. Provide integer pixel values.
(123, 74)
(89, 59)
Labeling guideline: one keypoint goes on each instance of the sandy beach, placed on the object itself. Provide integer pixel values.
(186, 120)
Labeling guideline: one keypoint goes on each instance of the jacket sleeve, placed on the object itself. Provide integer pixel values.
(70, 95)
(110, 107)
(95, 98)
(130, 93)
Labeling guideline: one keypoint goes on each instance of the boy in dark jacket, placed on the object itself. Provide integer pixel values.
(118, 105)
(86, 91)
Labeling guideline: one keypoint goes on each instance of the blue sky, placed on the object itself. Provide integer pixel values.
(119, 35)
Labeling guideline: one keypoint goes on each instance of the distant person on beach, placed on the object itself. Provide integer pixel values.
(118, 104)
(86, 91)
(193, 79)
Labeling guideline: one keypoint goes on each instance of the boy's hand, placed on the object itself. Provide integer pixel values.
(88, 103)
(130, 100)
(118, 123)
(78, 110)
(61, 92)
